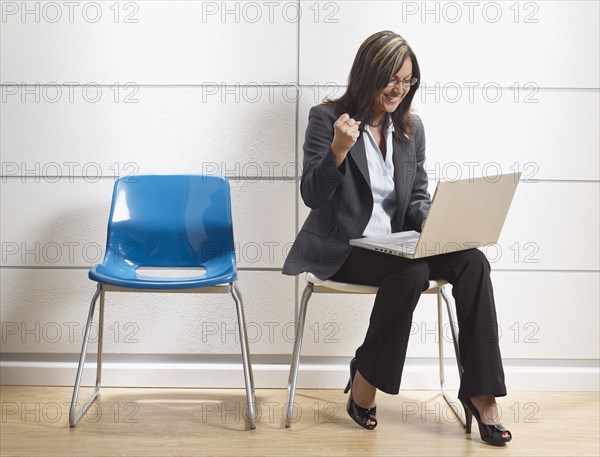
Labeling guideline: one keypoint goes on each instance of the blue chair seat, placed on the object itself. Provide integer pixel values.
(128, 277)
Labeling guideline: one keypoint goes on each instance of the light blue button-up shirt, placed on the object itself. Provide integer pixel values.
(381, 175)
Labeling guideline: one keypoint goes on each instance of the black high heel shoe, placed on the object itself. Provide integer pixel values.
(361, 416)
(491, 434)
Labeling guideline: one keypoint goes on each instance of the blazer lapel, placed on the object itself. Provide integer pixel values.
(405, 167)
(359, 155)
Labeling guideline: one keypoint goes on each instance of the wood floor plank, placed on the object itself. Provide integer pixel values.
(195, 422)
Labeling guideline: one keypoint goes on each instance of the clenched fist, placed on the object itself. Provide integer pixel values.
(346, 134)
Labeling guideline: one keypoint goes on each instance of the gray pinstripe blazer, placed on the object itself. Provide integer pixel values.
(341, 200)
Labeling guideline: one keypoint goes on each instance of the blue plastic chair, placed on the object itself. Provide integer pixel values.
(167, 222)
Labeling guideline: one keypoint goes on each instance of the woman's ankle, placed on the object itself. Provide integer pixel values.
(363, 393)
(488, 409)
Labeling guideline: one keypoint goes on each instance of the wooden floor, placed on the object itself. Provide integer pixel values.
(211, 422)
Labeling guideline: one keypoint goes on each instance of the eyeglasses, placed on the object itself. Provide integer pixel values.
(405, 83)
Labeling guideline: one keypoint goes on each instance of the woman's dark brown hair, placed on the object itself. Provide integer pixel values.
(376, 63)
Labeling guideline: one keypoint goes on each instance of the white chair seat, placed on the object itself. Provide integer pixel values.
(343, 287)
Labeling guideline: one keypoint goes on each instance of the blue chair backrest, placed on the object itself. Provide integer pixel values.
(170, 221)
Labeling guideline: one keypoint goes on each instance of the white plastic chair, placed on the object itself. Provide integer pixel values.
(317, 285)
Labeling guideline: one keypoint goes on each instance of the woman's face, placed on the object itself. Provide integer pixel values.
(388, 99)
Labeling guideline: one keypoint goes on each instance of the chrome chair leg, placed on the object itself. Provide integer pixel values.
(296, 356)
(248, 378)
(453, 328)
(74, 416)
(458, 412)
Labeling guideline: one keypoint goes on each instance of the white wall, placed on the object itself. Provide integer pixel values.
(224, 88)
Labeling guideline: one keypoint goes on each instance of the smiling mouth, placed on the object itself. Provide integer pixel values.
(393, 99)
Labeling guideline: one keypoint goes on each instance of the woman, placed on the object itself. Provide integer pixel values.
(364, 175)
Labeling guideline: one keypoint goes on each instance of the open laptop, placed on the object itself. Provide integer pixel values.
(464, 214)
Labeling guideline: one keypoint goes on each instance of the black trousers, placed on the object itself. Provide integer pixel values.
(380, 359)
